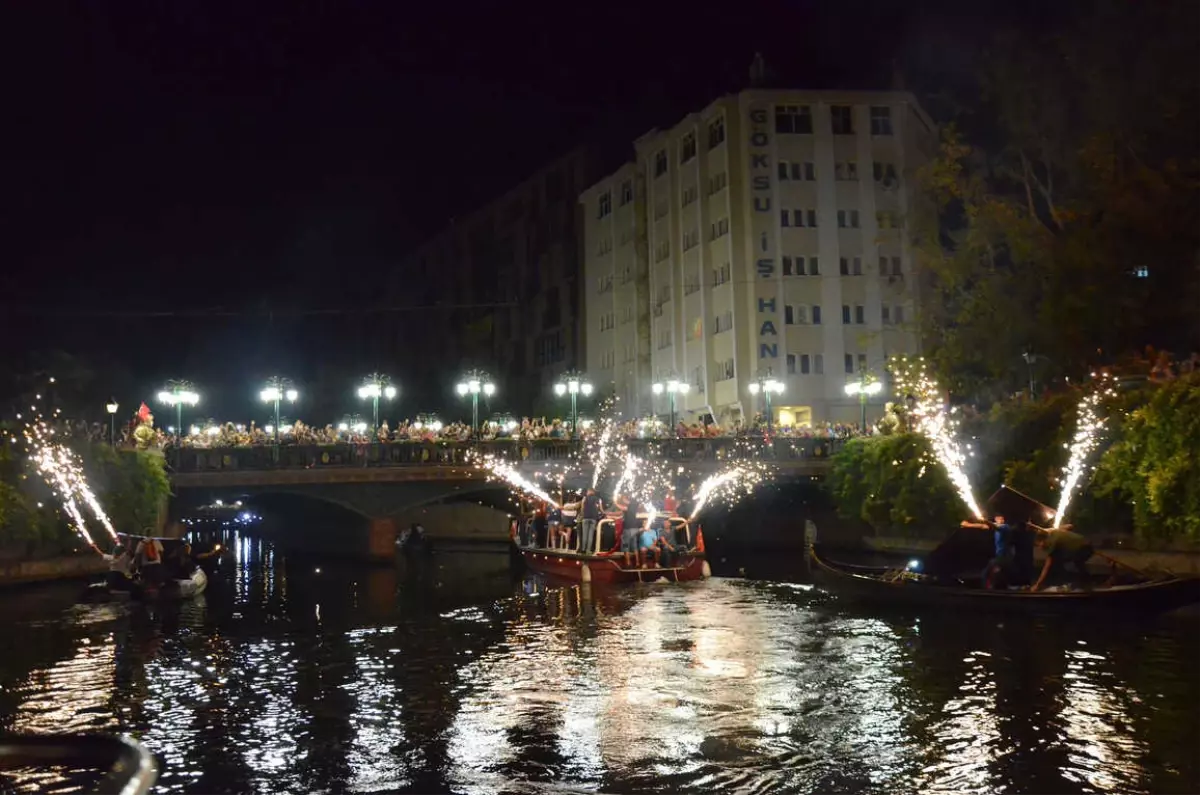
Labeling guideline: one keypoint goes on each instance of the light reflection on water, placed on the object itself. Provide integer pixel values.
(449, 674)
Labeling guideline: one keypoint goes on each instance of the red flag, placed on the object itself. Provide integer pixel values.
(143, 414)
(700, 539)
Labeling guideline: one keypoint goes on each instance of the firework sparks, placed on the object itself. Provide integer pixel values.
(502, 470)
(62, 471)
(936, 424)
(1089, 426)
(732, 484)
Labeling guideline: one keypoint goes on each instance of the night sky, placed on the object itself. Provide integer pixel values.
(267, 159)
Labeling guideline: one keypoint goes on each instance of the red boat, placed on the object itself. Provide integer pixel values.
(609, 567)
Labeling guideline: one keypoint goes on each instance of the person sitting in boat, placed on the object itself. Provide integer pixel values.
(120, 568)
(149, 555)
(666, 543)
(996, 568)
(1064, 548)
(648, 548)
(180, 563)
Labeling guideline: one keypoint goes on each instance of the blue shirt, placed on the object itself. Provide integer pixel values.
(1003, 539)
(648, 538)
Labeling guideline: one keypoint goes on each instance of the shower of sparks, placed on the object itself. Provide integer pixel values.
(731, 485)
(502, 470)
(627, 474)
(62, 471)
(938, 425)
(1089, 426)
(604, 448)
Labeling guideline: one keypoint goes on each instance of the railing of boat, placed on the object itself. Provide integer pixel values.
(129, 769)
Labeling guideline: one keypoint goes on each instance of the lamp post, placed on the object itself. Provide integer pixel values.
(176, 394)
(111, 407)
(864, 387)
(274, 392)
(767, 385)
(375, 387)
(672, 388)
(572, 384)
(474, 383)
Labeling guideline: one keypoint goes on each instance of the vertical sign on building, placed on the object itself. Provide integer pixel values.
(763, 227)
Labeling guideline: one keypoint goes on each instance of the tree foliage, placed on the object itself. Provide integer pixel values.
(1153, 463)
(894, 484)
(1080, 168)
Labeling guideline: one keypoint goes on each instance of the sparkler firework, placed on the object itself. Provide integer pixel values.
(1089, 426)
(937, 424)
(62, 471)
(502, 470)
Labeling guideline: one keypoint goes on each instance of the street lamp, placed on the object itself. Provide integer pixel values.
(375, 387)
(473, 384)
(767, 386)
(672, 388)
(176, 394)
(572, 384)
(111, 407)
(864, 387)
(276, 390)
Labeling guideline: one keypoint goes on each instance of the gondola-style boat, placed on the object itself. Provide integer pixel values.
(944, 578)
(608, 566)
(172, 588)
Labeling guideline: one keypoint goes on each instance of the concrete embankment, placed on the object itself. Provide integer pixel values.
(80, 565)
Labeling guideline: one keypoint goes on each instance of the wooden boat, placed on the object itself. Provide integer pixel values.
(609, 566)
(906, 587)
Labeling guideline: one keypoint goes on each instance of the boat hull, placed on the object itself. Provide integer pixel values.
(610, 568)
(865, 585)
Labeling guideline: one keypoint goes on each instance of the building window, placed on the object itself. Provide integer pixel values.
(885, 173)
(785, 217)
(856, 266)
(842, 119)
(814, 267)
(782, 169)
(846, 172)
(862, 362)
(626, 192)
(846, 314)
(848, 219)
(805, 364)
(793, 119)
(810, 171)
(716, 132)
(859, 316)
(896, 267)
(662, 251)
(849, 362)
(605, 204)
(886, 220)
(691, 239)
(819, 364)
(690, 195)
(719, 229)
(812, 218)
(816, 315)
(791, 364)
(798, 218)
(843, 265)
(660, 163)
(886, 315)
(898, 316)
(660, 209)
(787, 267)
(789, 315)
(691, 282)
(721, 274)
(604, 285)
(881, 120)
(716, 183)
(687, 148)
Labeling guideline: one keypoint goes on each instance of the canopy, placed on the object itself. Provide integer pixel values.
(967, 549)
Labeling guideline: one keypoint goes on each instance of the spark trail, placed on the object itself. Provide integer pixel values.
(1089, 427)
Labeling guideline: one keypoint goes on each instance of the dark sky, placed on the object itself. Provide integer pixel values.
(193, 154)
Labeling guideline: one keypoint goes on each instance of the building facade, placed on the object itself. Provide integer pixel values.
(764, 235)
(503, 282)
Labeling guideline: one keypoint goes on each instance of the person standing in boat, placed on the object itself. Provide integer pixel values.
(1064, 548)
(149, 555)
(590, 511)
(120, 569)
(630, 531)
(999, 564)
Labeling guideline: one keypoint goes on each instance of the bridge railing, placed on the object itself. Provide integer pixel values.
(398, 454)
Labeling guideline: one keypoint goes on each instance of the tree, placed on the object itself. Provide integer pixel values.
(1072, 179)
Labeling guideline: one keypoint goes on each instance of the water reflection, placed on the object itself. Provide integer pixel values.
(447, 673)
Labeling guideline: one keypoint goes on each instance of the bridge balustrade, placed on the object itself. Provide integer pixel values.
(398, 454)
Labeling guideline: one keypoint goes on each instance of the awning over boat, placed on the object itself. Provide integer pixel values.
(1018, 508)
(966, 550)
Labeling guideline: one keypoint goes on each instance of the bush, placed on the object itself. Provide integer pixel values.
(894, 484)
(1152, 464)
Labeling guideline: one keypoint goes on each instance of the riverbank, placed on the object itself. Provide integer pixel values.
(77, 566)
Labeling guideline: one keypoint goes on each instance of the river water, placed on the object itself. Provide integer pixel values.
(452, 673)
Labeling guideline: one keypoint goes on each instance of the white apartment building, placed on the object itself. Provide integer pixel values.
(771, 231)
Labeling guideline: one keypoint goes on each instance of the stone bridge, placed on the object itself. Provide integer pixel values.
(385, 483)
